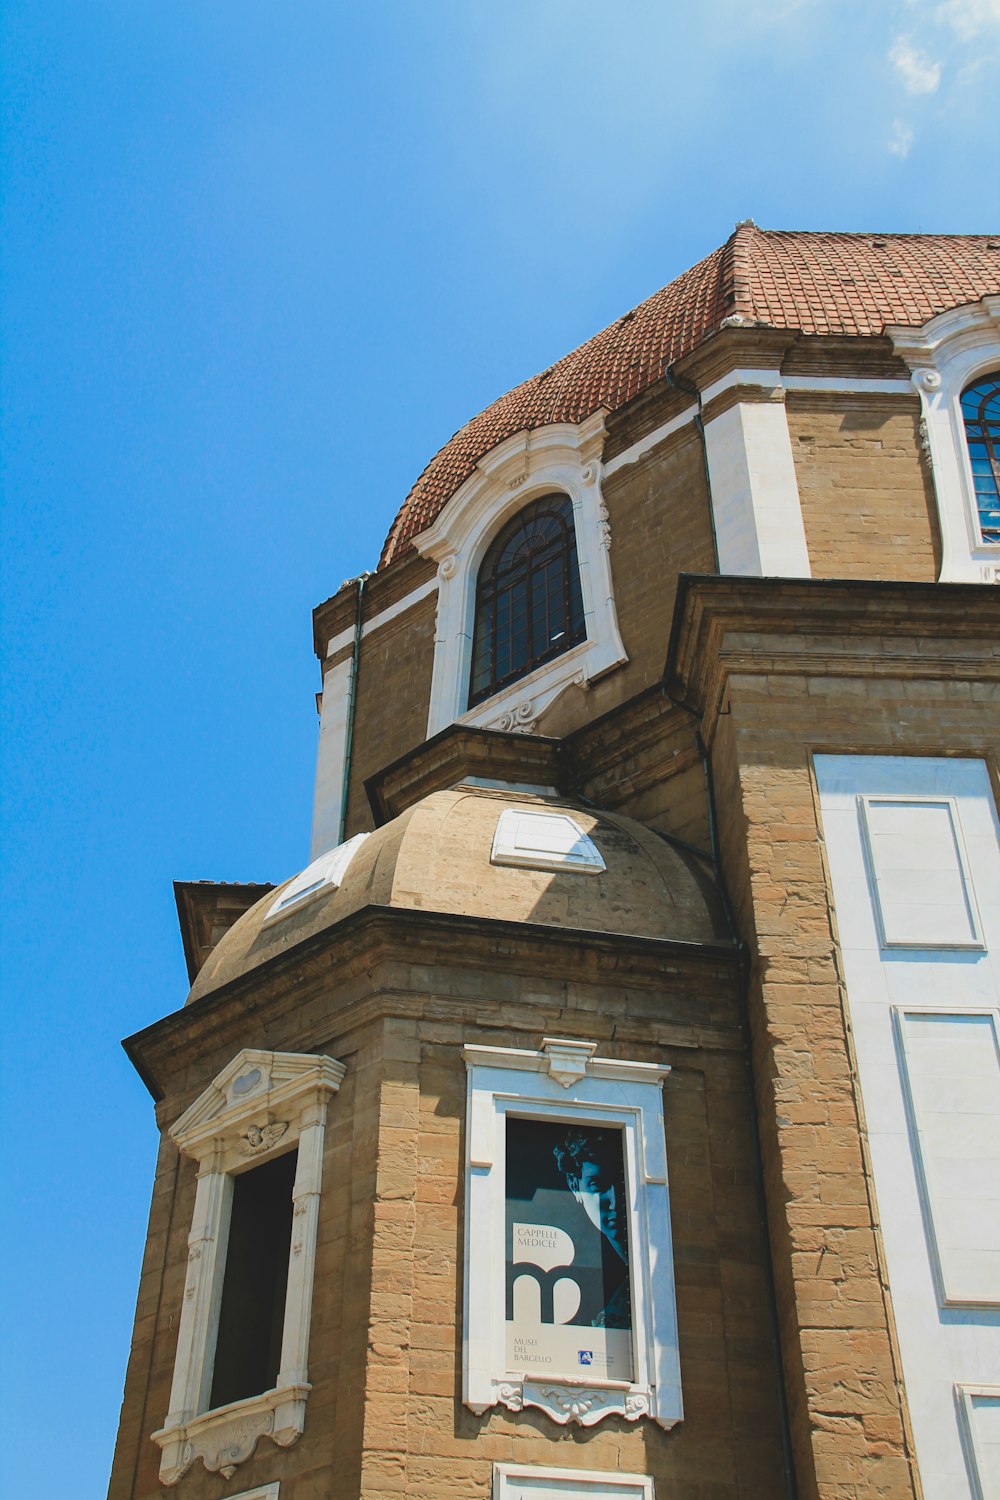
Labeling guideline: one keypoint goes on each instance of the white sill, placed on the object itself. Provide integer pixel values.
(226, 1436)
(522, 701)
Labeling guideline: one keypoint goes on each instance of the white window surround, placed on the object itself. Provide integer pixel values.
(259, 1106)
(565, 1081)
(532, 1482)
(561, 457)
(945, 356)
(983, 1448)
(324, 874)
(536, 840)
(262, 1492)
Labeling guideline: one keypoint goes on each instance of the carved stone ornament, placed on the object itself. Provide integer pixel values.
(226, 1438)
(927, 379)
(519, 720)
(567, 1060)
(259, 1138)
(604, 526)
(447, 565)
(565, 1401)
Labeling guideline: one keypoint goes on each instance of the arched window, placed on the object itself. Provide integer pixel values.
(981, 412)
(528, 602)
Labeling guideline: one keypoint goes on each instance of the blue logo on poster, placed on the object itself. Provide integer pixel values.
(586, 1356)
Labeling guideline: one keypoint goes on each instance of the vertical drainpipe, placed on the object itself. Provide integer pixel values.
(352, 703)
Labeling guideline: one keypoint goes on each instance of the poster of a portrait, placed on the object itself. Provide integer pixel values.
(568, 1292)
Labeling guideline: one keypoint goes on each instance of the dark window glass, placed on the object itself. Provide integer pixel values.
(528, 602)
(248, 1347)
(981, 410)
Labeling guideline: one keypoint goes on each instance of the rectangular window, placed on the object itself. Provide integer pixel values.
(241, 1366)
(532, 1482)
(251, 1318)
(569, 1288)
(568, 1295)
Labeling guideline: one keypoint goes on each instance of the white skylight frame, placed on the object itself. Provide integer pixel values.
(530, 837)
(324, 874)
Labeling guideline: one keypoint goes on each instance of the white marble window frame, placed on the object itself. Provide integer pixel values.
(535, 1482)
(947, 355)
(985, 1486)
(562, 458)
(260, 1106)
(566, 1081)
(868, 800)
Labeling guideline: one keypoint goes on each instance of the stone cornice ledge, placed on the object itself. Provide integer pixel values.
(225, 1438)
(819, 627)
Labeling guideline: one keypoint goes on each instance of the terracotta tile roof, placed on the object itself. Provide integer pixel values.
(846, 284)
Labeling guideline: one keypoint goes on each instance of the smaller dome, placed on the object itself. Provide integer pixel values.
(455, 852)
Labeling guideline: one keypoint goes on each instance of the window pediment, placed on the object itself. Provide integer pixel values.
(252, 1089)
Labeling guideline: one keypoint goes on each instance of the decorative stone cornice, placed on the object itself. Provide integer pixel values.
(459, 752)
(725, 626)
(365, 950)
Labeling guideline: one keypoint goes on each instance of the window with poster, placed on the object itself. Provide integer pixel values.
(569, 1290)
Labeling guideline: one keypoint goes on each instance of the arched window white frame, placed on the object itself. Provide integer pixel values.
(946, 356)
(559, 458)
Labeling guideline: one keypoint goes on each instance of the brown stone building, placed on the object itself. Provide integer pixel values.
(612, 1108)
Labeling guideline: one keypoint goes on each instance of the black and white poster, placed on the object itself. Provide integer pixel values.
(569, 1303)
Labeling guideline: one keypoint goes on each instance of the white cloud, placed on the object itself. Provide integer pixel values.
(919, 73)
(968, 18)
(901, 139)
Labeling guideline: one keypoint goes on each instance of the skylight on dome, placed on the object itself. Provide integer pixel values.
(544, 841)
(325, 873)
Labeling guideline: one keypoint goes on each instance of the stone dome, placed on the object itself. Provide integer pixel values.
(437, 857)
(851, 285)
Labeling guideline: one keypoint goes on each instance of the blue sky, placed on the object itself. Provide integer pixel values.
(261, 261)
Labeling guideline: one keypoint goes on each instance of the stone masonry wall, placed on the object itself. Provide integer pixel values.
(393, 693)
(848, 1413)
(866, 491)
(385, 1415)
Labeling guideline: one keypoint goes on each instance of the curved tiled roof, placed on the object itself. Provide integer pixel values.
(846, 284)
